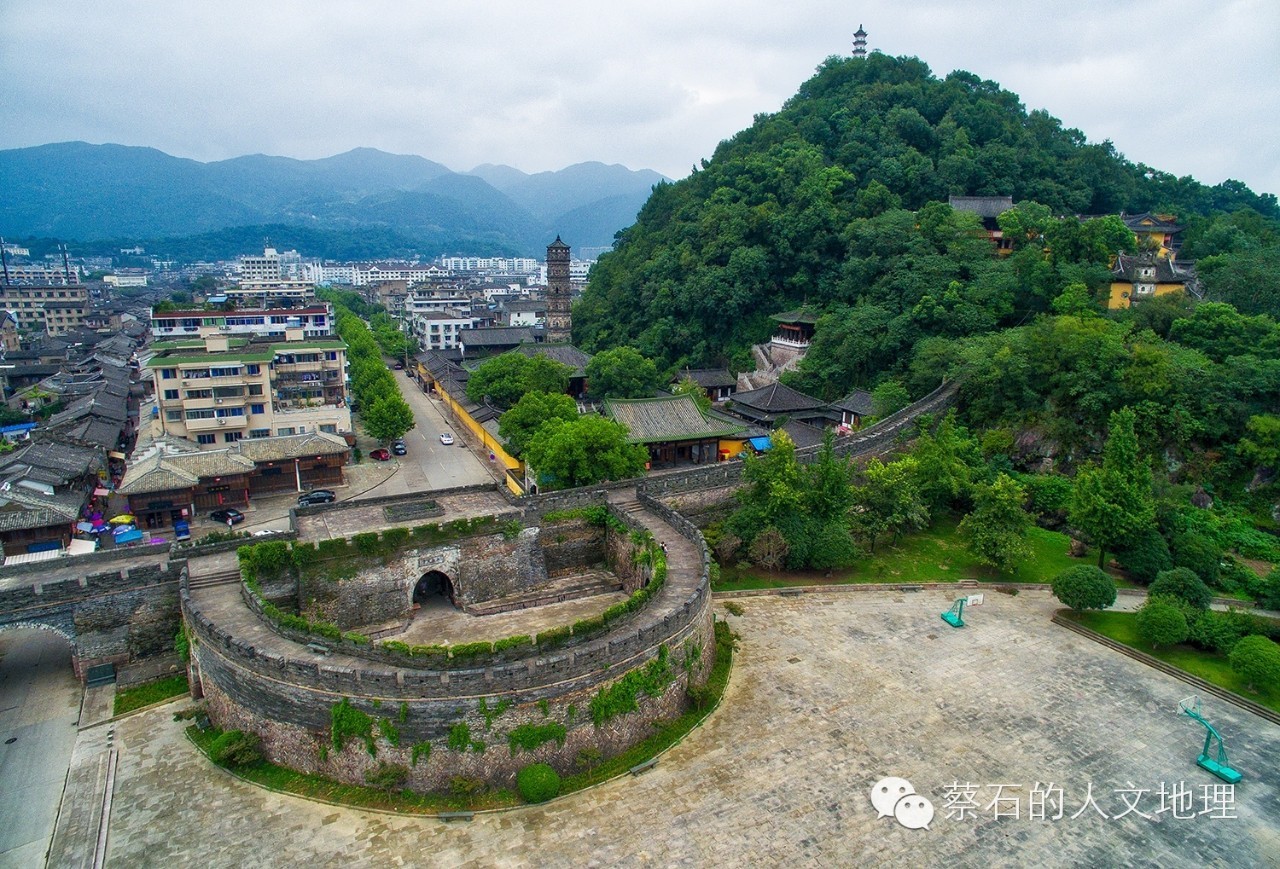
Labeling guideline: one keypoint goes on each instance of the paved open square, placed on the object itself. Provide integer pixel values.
(830, 693)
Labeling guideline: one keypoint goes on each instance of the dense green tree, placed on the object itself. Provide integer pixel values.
(505, 378)
(579, 452)
(691, 387)
(1198, 553)
(888, 398)
(1144, 555)
(1084, 587)
(1184, 585)
(1161, 623)
(1257, 660)
(772, 492)
(622, 373)
(526, 416)
(387, 418)
(1112, 503)
(945, 461)
(1261, 443)
(888, 501)
(996, 530)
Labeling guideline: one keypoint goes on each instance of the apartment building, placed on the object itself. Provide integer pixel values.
(315, 321)
(439, 330)
(50, 308)
(220, 389)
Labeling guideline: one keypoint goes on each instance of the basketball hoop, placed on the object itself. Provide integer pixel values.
(1190, 705)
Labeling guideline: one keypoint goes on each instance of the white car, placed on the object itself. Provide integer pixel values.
(446, 439)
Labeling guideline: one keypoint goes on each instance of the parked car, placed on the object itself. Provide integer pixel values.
(446, 438)
(224, 516)
(380, 454)
(399, 366)
(399, 448)
(316, 496)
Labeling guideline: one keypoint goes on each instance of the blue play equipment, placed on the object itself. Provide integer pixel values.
(955, 615)
(1219, 765)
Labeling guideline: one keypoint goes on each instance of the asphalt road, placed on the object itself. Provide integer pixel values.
(430, 464)
(39, 710)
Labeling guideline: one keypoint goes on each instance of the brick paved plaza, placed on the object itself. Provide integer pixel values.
(831, 693)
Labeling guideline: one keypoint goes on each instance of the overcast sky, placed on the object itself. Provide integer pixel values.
(1187, 87)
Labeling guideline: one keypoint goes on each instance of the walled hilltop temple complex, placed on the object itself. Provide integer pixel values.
(463, 637)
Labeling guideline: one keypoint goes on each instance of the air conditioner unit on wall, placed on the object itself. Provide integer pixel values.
(221, 421)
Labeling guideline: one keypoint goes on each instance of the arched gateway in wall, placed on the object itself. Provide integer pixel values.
(433, 587)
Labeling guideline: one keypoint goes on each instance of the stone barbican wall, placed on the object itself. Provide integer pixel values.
(290, 706)
(481, 568)
(118, 616)
(571, 545)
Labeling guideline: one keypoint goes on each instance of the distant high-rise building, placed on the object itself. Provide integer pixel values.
(860, 43)
(559, 321)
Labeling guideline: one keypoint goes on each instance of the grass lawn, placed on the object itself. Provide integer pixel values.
(147, 693)
(665, 734)
(934, 555)
(1209, 666)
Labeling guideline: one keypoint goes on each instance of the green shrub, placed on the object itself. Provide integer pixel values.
(396, 646)
(326, 629)
(588, 626)
(1048, 496)
(394, 539)
(464, 788)
(615, 612)
(470, 650)
(1267, 591)
(527, 737)
(433, 655)
(388, 776)
(1161, 623)
(1257, 660)
(1084, 587)
(1145, 556)
(513, 643)
(538, 783)
(1199, 554)
(421, 751)
(236, 748)
(552, 636)
(334, 547)
(358, 639)
(1217, 631)
(1184, 585)
(367, 543)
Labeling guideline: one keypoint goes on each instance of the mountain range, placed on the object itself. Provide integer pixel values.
(78, 192)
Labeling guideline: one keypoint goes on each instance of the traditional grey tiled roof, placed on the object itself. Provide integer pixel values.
(777, 398)
(803, 434)
(673, 418)
(1127, 268)
(707, 378)
(22, 508)
(156, 474)
(566, 354)
(798, 315)
(62, 463)
(1148, 222)
(858, 401)
(516, 306)
(499, 336)
(212, 463)
(983, 206)
(277, 449)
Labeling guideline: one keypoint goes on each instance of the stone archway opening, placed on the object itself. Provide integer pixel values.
(434, 590)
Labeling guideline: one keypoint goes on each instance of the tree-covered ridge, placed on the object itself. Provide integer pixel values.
(835, 200)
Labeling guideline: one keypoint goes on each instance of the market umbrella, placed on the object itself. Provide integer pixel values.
(122, 529)
(123, 519)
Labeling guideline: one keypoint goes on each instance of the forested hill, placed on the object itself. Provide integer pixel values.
(816, 204)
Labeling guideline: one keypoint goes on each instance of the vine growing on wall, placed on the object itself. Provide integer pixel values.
(347, 722)
(528, 737)
(621, 697)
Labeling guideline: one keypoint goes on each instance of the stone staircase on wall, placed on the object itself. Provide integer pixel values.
(220, 577)
(579, 585)
(767, 371)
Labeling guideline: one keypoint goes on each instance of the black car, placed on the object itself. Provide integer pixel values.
(399, 448)
(228, 515)
(316, 496)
